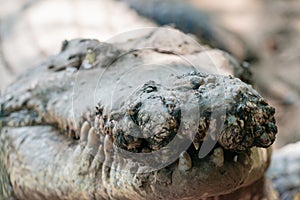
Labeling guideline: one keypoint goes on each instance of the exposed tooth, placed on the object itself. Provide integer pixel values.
(84, 131)
(196, 145)
(108, 159)
(101, 138)
(101, 122)
(235, 158)
(101, 153)
(108, 146)
(93, 137)
(185, 162)
(96, 122)
(77, 134)
(98, 160)
(90, 150)
(218, 157)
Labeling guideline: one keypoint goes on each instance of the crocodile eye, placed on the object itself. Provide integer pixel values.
(150, 87)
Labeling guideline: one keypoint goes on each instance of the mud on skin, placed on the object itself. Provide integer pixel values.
(47, 155)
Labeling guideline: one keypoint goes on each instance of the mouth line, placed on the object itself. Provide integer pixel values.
(217, 165)
(248, 121)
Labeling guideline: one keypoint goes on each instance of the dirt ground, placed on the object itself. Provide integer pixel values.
(31, 30)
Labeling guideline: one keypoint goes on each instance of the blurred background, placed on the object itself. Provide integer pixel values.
(263, 34)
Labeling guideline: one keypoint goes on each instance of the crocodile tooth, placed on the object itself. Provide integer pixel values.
(108, 159)
(93, 137)
(196, 145)
(100, 153)
(98, 160)
(84, 131)
(108, 146)
(218, 157)
(185, 161)
(235, 158)
(96, 122)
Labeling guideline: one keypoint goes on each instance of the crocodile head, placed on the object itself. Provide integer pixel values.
(97, 122)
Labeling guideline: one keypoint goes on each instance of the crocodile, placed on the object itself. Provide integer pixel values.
(153, 115)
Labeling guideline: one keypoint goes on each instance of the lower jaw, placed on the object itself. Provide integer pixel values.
(204, 179)
(260, 189)
(35, 177)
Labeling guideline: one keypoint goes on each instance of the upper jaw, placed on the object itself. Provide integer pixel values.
(155, 115)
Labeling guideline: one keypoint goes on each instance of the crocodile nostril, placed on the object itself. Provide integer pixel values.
(50, 66)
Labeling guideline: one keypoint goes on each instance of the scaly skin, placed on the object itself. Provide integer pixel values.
(56, 145)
